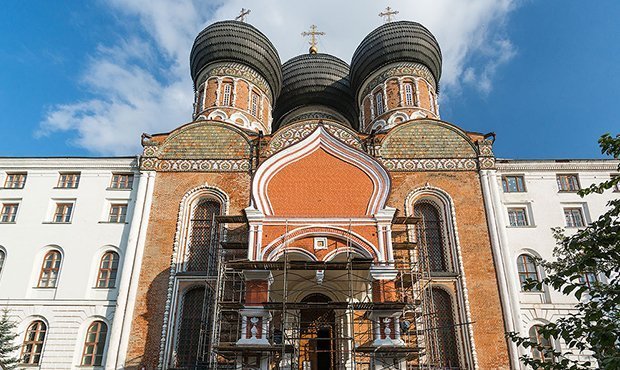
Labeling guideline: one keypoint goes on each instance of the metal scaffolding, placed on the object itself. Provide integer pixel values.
(337, 333)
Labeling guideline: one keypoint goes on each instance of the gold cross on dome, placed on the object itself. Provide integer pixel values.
(313, 41)
(388, 14)
(244, 13)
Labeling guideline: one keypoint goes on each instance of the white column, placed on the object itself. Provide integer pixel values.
(121, 326)
(503, 263)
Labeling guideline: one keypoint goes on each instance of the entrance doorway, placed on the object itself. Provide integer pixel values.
(317, 333)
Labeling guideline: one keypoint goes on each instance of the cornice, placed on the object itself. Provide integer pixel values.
(114, 163)
(558, 165)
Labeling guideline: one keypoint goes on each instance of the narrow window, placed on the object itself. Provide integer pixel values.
(409, 99)
(63, 213)
(121, 181)
(446, 335)
(588, 278)
(50, 270)
(432, 235)
(190, 328)
(108, 268)
(517, 217)
(69, 180)
(226, 101)
(513, 184)
(33, 343)
(573, 217)
(94, 344)
(379, 103)
(9, 212)
(526, 266)
(201, 255)
(546, 352)
(118, 213)
(2, 258)
(254, 106)
(568, 183)
(15, 181)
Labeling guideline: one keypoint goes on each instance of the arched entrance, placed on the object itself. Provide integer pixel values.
(317, 333)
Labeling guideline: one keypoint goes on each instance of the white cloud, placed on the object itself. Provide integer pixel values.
(142, 84)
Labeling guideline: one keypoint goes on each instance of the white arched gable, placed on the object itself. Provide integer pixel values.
(321, 139)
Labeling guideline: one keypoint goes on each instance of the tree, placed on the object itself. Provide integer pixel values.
(594, 326)
(7, 340)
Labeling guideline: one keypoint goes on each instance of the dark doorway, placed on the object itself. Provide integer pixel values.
(317, 328)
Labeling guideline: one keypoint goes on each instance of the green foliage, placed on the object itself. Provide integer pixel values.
(594, 326)
(7, 340)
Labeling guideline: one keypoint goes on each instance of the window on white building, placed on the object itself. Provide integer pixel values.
(517, 217)
(574, 217)
(69, 180)
(9, 213)
(545, 352)
(94, 344)
(63, 213)
(122, 181)
(568, 182)
(588, 278)
(118, 213)
(50, 269)
(108, 269)
(527, 268)
(2, 258)
(513, 184)
(15, 180)
(617, 186)
(32, 347)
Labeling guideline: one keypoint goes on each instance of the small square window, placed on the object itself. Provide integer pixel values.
(588, 278)
(517, 217)
(69, 180)
(320, 243)
(15, 180)
(568, 182)
(63, 213)
(121, 181)
(574, 217)
(118, 213)
(9, 213)
(513, 184)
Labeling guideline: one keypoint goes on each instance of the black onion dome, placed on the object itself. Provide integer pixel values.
(316, 79)
(393, 42)
(233, 41)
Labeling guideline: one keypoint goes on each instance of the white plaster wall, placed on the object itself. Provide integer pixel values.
(74, 304)
(545, 206)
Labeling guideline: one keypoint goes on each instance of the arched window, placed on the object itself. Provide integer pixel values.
(526, 265)
(108, 268)
(200, 93)
(33, 343)
(94, 344)
(50, 269)
(201, 255)
(409, 97)
(431, 235)
(227, 95)
(188, 350)
(546, 352)
(446, 334)
(379, 103)
(2, 258)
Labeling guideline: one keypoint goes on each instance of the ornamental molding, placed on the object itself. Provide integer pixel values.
(195, 165)
(398, 70)
(295, 133)
(569, 165)
(437, 164)
(236, 70)
(118, 163)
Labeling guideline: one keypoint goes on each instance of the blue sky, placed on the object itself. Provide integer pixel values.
(86, 78)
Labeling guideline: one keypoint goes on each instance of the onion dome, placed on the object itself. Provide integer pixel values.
(234, 41)
(316, 80)
(395, 42)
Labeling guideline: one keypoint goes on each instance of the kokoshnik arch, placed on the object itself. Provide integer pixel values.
(313, 215)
